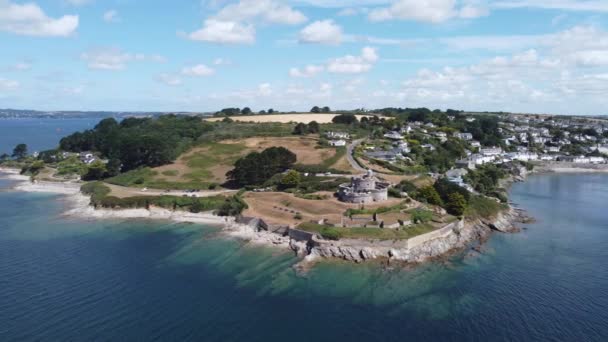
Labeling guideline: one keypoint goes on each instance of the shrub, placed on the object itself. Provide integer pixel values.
(421, 216)
(331, 233)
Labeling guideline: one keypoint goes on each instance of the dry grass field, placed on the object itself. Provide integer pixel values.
(280, 208)
(284, 118)
(210, 162)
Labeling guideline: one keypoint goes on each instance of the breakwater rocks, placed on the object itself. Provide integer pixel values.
(455, 236)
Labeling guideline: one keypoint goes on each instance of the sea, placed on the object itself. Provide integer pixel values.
(76, 279)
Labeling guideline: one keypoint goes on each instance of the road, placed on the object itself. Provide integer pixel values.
(121, 191)
(349, 155)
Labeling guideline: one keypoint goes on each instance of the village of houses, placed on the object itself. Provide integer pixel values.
(528, 140)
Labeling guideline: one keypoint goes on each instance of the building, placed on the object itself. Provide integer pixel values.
(393, 135)
(337, 135)
(464, 136)
(364, 189)
(337, 143)
(491, 151)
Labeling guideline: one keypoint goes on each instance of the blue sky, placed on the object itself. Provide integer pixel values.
(542, 56)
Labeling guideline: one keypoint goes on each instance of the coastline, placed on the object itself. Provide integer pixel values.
(78, 205)
(440, 243)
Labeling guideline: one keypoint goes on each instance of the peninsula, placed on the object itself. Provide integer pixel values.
(398, 183)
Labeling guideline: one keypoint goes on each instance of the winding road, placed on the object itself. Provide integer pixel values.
(349, 155)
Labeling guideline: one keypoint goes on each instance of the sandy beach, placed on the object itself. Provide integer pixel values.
(78, 205)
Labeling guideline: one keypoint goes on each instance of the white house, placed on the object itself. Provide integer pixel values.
(491, 151)
(337, 143)
(464, 136)
(337, 135)
(393, 135)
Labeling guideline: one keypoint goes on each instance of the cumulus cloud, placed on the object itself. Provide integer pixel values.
(235, 23)
(114, 58)
(224, 32)
(198, 70)
(269, 11)
(30, 20)
(322, 32)
(431, 11)
(354, 64)
(307, 71)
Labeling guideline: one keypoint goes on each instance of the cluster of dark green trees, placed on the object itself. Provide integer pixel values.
(317, 109)
(137, 142)
(238, 111)
(258, 167)
(485, 179)
(303, 129)
(453, 198)
(19, 152)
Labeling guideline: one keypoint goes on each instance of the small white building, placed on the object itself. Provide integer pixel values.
(491, 151)
(337, 143)
(464, 136)
(393, 135)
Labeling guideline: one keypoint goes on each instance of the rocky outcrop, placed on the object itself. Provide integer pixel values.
(453, 237)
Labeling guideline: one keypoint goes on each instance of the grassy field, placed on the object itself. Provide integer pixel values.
(370, 233)
(206, 165)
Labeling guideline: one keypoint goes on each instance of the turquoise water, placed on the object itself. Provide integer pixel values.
(66, 279)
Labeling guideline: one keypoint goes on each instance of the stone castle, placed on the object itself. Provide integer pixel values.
(364, 189)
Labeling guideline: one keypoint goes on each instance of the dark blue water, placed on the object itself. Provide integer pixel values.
(71, 279)
(39, 134)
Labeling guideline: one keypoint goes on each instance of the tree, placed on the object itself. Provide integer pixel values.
(20, 151)
(246, 111)
(4, 157)
(291, 179)
(346, 119)
(325, 109)
(256, 168)
(300, 129)
(456, 204)
(95, 171)
(313, 127)
(315, 109)
(270, 111)
(430, 195)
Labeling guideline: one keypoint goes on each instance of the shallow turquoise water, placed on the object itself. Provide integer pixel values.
(65, 279)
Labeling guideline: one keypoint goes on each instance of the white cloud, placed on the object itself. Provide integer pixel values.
(30, 20)
(323, 32)
(198, 70)
(308, 71)
(431, 11)
(264, 89)
(235, 23)
(6, 84)
(114, 58)
(224, 32)
(269, 11)
(354, 64)
(169, 79)
(568, 5)
(111, 16)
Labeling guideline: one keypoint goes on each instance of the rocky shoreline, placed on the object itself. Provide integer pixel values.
(310, 247)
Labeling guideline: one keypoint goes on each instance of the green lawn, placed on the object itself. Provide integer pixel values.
(370, 233)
